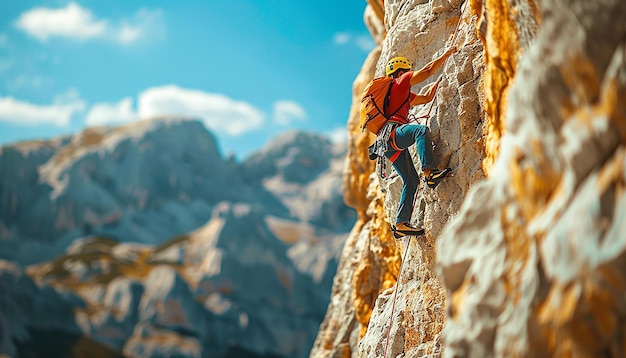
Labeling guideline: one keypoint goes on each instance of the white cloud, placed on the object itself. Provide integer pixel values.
(71, 21)
(364, 42)
(286, 112)
(107, 113)
(76, 22)
(128, 33)
(219, 113)
(144, 22)
(71, 96)
(59, 113)
(341, 38)
(338, 135)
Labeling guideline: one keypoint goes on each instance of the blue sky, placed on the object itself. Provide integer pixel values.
(249, 69)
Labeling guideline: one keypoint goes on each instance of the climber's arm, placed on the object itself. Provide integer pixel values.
(427, 96)
(430, 68)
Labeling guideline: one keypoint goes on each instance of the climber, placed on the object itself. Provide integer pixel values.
(399, 135)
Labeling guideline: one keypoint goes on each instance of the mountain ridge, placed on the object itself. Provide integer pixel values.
(151, 215)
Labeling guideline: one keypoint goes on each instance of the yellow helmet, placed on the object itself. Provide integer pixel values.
(397, 63)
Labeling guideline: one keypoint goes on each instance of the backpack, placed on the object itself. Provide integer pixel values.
(374, 104)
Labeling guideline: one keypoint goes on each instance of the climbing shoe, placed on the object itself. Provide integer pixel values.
(403, 229)
(435, 177)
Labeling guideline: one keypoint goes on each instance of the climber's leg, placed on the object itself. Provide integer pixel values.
(410, 181)
(408, 134)
(419, 134)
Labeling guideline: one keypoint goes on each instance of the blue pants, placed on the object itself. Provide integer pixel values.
(405, 136)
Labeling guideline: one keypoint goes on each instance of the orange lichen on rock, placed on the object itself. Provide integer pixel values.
(358, 165)
(356, 175)
(453, 21)
(501, 46)
(378, 267)
(581, 317)
(518, 247)
(584, 317)
(379, 8)
(457, 299)
(603, 101)
(533, 184)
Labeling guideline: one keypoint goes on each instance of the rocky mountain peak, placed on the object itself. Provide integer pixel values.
(295, 157)
(144, 239)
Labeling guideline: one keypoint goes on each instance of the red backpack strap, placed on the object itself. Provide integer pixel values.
(392, 141)
(395, 156)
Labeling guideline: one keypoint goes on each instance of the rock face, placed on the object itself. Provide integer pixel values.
(364, 286)
(142, 241)
(525, 251)
(543, 259)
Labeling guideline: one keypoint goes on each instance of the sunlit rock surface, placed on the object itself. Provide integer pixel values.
(542, 259)
(525, 247)
(364, 285)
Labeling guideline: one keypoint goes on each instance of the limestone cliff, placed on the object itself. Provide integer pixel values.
(525, 251)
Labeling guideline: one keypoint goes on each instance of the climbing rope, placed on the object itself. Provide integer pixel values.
(431, 102)
(395, 293)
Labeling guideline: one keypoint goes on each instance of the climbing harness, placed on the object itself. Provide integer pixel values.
(380, 146)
